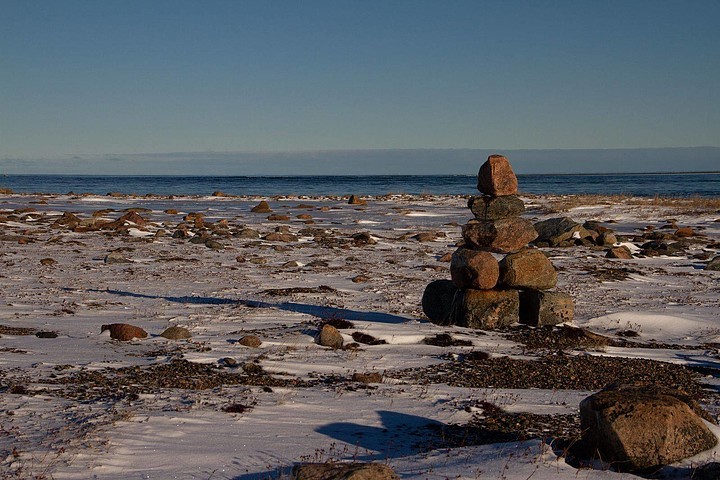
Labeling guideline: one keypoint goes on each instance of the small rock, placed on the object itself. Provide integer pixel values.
(425, 236)
(247, 233)
(261, 207)
(355, 200)
(370, 377)
(360, 279)
(229, 361)
(290, 264)
(276, 217)
(171, 211)
(176, 333)
(606, 238)
(280, 237)
(685, 232)
(446, 258)
(124, 332)
(363, 238)
(330, 337)
(304, 216)
(622, 252)
(46, 334)
(48, 261)
(252, 341)
(116, 257)
(258, 260)
(555, 231)
(214, 245)
(713, 264)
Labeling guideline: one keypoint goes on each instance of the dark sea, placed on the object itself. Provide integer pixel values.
(645, 185)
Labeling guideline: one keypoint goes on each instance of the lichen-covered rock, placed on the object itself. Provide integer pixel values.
(486, 309)
(437, 301)
(486, 207)
(474, 269)
(528, 268)
(330, 337)
(555, 231)
(124, 331)
(496, 177)
(641, 427)
(502, 236)
(252, 341)
(622, 252)
(176, 333)
(538, 308)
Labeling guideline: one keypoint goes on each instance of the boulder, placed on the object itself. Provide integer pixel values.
(641, 427)
(280, 237)
(713, 264)
(496, 177)
(116, 257)
(247, 233)
(261, 207)
(494, 208)
(355, 200)
(622, 252)
(176, 333)
(252, 341)
(538, 308)
(555, 231)
(474, 269)
(369, 377)
(606, 238)
(330, 337)
(503, 236)
(124, 332)
(343, 471)
(437, 301)
(528, 268)
(486, 309)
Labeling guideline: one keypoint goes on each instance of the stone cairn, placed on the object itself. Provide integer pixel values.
(485, 293)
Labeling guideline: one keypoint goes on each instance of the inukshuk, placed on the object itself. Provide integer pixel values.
(486, 293)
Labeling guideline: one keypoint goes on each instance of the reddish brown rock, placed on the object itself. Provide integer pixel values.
(276, 217)
(528, 268)
(252, 341)
(503, 236)
(622, 252)
(539, 308)
(474, 269)
(280, 237)
(124, 331)
(261, 207)
(370, 377)
(641, 427)
(330, 337)
(355, 200)
(684, 232)
(496, 177)
(343, 471)
(486, 309)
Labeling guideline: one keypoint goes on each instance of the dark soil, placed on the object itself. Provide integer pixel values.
(280, 292)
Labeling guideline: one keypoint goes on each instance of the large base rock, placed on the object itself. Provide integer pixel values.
(640, 427)
(528, 268)
(545, 308)
(474, 269)
(437, 301)
(503, 236)
(494, 208)
(486, 309)
(343, 471)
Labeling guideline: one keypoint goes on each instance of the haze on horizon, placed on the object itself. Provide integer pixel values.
(415, 86)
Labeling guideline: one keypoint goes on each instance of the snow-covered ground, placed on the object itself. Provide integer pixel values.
(49, 430)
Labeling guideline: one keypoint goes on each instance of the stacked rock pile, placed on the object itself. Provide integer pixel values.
(486, 293)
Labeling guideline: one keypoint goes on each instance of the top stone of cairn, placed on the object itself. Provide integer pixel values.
(496, 177)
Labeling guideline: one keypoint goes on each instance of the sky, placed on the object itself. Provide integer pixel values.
(121, 78)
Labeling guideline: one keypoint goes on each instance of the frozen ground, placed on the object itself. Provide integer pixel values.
(61, 418)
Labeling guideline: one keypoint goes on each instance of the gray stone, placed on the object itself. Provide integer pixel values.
(555, 231)
(486, 309)
(713, 264)
(494, 208)
(642, 427)
(539, 308)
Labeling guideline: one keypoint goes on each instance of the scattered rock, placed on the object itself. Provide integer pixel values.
(713, 264)
(641, 427)
(446, 340)
(528, 268)
(446, 258)
(355, 200)
(606, 239)
(685, 232)
(494, 208)
(496, 177)
(360, 279)
(363, 238)
(261, 207)
(46, 334)
(276, 217)
(48, 261)
(171, 211)
(502, 236)
(229, 361)
(214, 244)
(339, 323)
(252, 341)
(425, 236)
(539, 308)
(370, 377)
(555, 231)
(280, 237)
(330, 337)
(116, 257)
(622, 252)
(367, 339)
(176, 333)
(124, 332)
(218, 193)
(474, 269)
(343, 471)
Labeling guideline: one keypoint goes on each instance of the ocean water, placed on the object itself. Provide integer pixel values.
(676, 185)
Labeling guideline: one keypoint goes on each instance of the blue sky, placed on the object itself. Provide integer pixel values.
(129, 77)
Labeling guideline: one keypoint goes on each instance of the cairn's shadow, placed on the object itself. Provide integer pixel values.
(314, 310)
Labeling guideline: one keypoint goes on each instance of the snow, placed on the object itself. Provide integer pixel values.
(186, 434)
